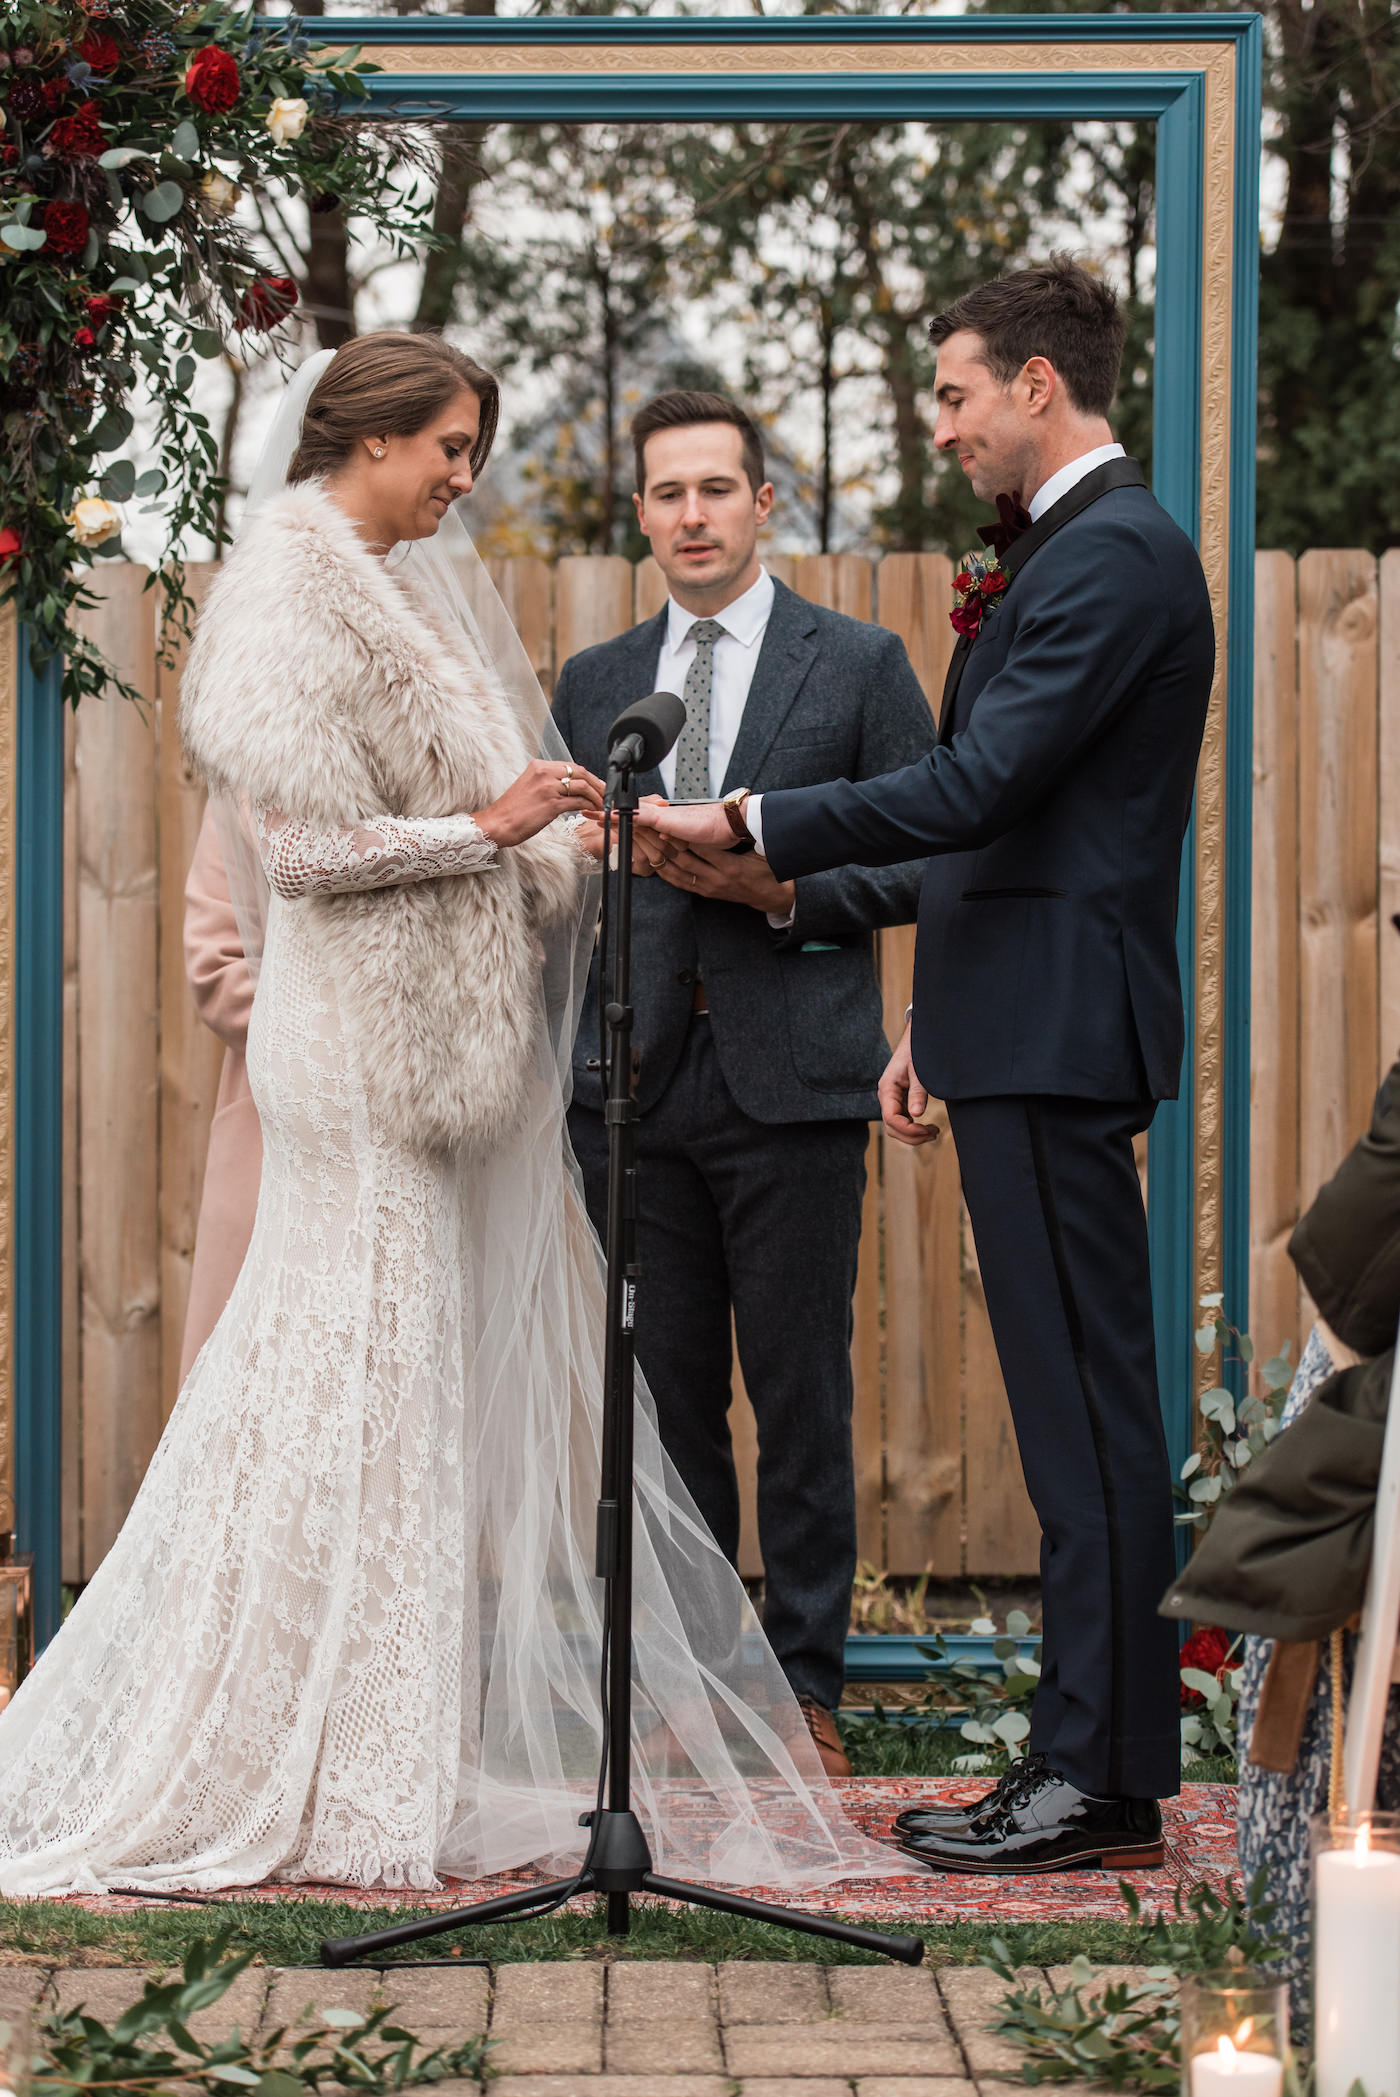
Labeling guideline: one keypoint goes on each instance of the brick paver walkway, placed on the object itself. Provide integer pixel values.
(657, 2028)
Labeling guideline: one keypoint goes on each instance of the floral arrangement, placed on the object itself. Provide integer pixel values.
(129, 129)
(978, 584)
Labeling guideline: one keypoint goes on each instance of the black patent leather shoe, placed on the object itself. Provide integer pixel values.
(930, 1820)
(1048, 1826)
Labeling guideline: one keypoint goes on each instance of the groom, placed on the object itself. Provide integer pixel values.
(1047, 1014)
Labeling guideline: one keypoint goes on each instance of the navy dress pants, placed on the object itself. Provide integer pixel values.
(1061, 1235)
(760, 1222)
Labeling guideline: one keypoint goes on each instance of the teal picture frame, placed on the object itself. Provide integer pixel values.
(1198, 78)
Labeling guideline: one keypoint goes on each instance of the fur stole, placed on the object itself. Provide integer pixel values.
(318, 687)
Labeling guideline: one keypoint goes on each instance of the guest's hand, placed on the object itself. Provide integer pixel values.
(648, 848)
(903, 1100)
(693, 823)
(727, 877)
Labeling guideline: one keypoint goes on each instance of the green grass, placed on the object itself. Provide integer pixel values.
(288, 1933)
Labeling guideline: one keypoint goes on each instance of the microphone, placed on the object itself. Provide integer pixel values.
(643, 732)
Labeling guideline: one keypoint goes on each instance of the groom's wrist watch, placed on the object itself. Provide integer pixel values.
(734, 805)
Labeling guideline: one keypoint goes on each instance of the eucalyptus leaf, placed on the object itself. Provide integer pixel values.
(22, 238)
(1205, 1339)
(162, 203)
(1018, 1623)
(122, 156)
(184, 141)
(1192, 1464)
(346, 2020)
(1204, 1685)
(1213, 1301)
(119, 481)
(150, 483)
(206, 342)
(114, 429)
(1011, 1727)
(184, 372)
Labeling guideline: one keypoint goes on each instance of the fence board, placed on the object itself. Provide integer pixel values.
(592, 602)
(526, 586)
(843, 582)
(1388, 775)
(119, 1311)
(1337, 853)
(923, 1417)
(191, 1057)
(1274, 961)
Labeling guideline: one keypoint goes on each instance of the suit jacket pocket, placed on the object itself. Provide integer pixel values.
(1000, 895)
(833, 1013)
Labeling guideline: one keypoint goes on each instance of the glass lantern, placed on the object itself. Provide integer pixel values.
(1234, 2034)
(16, 1617)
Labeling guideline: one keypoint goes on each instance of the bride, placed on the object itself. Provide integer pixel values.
(349, 1631)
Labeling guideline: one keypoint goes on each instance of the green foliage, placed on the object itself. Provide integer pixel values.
(152, 2046)
(1127, 2034)
(120, 262)
(1232, 1431)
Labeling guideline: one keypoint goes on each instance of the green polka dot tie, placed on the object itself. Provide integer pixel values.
(693, 749)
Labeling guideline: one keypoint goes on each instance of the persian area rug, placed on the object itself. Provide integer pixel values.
(1200, 1844)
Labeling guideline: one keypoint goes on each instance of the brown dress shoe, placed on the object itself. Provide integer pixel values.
(821, 1724)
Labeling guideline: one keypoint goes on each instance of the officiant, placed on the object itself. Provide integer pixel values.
(758, 1022)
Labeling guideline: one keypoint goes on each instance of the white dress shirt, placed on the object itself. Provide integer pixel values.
(1058, 484)
(736, 657)
(1069, 477)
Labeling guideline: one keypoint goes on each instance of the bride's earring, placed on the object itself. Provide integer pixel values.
(379, 451)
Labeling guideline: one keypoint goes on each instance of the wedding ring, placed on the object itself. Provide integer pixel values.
(695, 880)
(567, 782)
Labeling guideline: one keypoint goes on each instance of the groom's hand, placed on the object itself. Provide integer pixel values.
(693, 823)
(903, 1099)
(648, 849)
(727, 877)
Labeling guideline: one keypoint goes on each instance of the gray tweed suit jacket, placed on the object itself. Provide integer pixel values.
(796, 1015)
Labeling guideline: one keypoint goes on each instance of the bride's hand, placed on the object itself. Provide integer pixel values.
(544, 790)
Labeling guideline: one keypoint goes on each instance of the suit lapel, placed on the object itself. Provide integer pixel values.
(785, 655)
(1114, 473)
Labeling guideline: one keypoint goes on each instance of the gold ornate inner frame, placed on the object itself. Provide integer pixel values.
(1198, 78)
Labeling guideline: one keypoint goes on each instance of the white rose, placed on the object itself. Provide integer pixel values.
(286, 119)
(93, 520)
(217, 195)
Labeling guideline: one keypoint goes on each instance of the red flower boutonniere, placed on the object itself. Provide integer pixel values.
(977, 586)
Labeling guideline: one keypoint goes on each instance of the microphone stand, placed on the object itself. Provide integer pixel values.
(618, 1862)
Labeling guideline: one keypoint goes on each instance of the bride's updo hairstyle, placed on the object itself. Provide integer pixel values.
(388, 385)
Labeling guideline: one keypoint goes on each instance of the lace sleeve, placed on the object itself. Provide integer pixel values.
(385, 852)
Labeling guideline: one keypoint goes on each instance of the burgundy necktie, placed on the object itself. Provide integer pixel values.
(1013, 518)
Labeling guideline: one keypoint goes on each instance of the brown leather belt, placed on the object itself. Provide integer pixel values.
(699, 1003)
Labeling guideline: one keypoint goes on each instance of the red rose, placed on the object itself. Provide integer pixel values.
(966, 618)
(1207, 1651)
(102, 308)
(993, 582)
(11, 546)
(211, 80)
(9, 155)
(55, 94)
(100, 51)
(84, 339)
(67, 228)
(78, 137)
(963, 579)
(264, 303)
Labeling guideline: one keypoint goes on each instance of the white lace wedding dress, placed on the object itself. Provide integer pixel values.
(349, 1630)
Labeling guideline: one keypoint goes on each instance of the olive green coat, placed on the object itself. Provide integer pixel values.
(1288, 1552)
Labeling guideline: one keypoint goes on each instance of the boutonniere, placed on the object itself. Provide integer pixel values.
(978, 584)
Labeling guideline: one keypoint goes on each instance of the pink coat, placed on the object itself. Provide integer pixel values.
(223, 995)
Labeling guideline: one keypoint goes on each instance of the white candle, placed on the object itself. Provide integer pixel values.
(1229, 2073)
(1357, 1970)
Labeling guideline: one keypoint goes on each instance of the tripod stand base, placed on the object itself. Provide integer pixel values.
(620, 1867)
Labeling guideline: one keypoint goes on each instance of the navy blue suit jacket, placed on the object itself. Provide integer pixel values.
(796, 1015)
(1053, 812)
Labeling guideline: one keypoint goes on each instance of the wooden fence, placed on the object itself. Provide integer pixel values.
(938, 1480)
